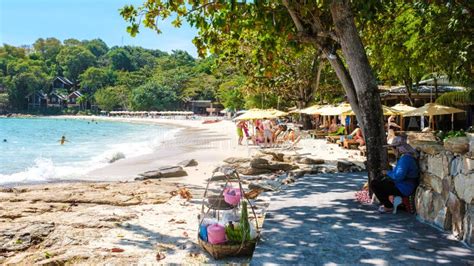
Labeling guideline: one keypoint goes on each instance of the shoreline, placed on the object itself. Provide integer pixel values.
(186, 143)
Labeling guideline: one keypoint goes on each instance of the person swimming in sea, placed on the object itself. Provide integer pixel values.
(63, 140)
(4, 140)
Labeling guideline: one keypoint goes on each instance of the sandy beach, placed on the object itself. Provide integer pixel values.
(114, 219)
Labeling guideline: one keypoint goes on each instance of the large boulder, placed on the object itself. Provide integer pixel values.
(468, 166)
(164, 172)
(469, 225)
(276, 156)
(236, 160)
(432, 181)
(456, 208)
(423, 202)
(347, 167)
(262, 163)
(307, 160)
(464, 185)
(420, 136)
(268, 185)
(428, 147)
(246, 169)
(116, 156)
(188, 163)
(258, 162)
(458, 145)
(437, 165)
(443, 219)
(20, 237)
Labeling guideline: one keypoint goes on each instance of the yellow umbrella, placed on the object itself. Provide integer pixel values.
(334, 110)
(312, 110)
(386, 111)
(432, 109)
(260, 114)
(276, 113)
(402, 108)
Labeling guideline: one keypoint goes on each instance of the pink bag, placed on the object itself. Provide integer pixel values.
(216, 234)
(232, 196)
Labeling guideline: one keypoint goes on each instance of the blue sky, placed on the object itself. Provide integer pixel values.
(24, 21)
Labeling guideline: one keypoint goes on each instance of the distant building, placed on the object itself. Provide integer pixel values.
(204, 107)
(391, 95)
(72, 98)
(37, 99)
(62, 83)
(57, 99)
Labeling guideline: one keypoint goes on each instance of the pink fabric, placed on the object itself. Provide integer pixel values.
(232, 196)
(216, 234)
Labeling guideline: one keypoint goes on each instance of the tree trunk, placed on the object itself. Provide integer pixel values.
(303, 100)
(436, 87)
(409, 86)
(369, 111)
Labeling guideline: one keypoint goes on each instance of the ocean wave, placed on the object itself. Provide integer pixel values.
(45, 170)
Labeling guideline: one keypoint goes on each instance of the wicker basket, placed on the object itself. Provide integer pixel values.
(219, 251)
(217, 202)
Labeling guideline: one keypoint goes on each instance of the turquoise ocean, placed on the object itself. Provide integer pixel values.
(32, 151)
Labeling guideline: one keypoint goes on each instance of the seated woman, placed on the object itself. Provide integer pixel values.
(333, 127)
(279, 132)
(357, 136)
(402, 180)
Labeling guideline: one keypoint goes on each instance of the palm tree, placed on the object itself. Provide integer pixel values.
(457, 98)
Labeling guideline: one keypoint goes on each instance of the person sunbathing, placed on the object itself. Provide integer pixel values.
(399, 182)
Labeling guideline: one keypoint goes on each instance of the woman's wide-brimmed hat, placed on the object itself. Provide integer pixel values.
(400, 143)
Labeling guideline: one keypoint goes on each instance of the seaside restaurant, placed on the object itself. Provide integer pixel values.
(204, 107)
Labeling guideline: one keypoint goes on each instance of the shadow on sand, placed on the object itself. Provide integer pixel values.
(317, 221)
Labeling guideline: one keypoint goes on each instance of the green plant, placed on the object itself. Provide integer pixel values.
(457, 98)
(450, 134)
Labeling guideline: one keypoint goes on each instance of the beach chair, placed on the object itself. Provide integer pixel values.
(333, 139)
(291, 145)
(350, 144)
(280, 140)
(340, 131)
(318, 134)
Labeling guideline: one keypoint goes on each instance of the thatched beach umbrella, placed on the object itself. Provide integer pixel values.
(253, 114)
(403, 108)
(331, 110)
(386, 111)
(312, 110)
(432, 109)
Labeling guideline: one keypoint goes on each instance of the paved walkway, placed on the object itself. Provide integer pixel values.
(317, 221)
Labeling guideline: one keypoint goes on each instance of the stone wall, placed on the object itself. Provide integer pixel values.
(446, 192)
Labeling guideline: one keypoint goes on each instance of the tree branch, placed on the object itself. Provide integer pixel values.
(294, 17)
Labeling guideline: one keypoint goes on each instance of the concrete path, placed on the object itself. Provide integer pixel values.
(317, 221)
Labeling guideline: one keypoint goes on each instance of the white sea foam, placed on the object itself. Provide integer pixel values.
(45, 170)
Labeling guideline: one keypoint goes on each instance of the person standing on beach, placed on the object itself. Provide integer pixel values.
(240, 131)
(267, 133)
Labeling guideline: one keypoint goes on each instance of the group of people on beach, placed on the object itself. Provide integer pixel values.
(390, 188)
(265, 132)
